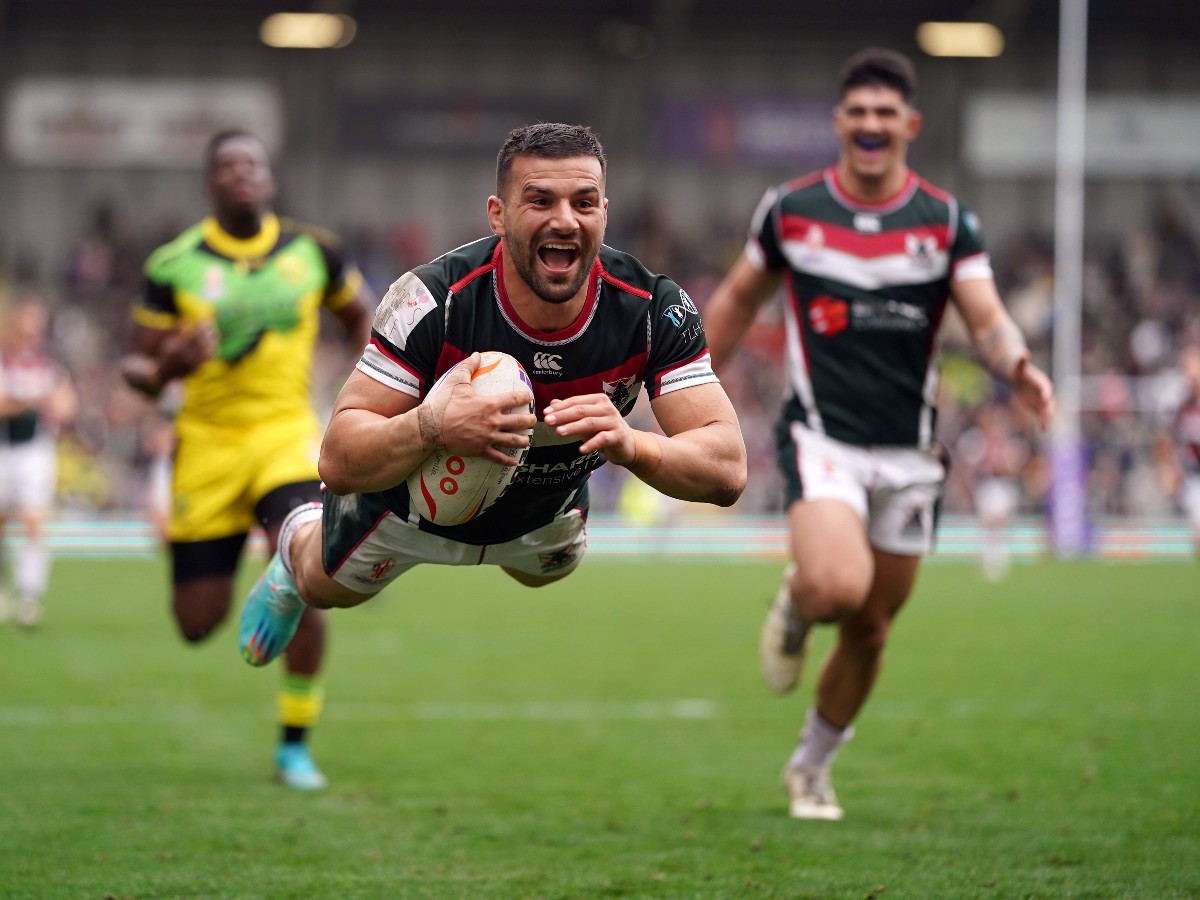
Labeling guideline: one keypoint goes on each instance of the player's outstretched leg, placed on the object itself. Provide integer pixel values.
(783, 641)
(271, 615)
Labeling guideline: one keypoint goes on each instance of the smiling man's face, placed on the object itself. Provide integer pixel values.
(875, 126)
(552, 219)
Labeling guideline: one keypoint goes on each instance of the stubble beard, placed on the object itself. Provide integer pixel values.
(550, 291)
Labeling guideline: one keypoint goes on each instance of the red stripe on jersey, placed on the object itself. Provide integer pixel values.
(563, 334)
(797, 184)
(366, 534)
(683, 364)
(898, 199)
(855, 243)
(934, 191)
(544, 392)
(625, 286)
(383, 348)
(482, 270)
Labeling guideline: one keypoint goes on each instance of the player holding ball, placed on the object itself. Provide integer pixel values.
(590, 325)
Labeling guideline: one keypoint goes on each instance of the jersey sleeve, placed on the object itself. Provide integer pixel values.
(157, 308)
(969, 259)
(762, 244)
(406, 337)
(344, 280)
(678, 356)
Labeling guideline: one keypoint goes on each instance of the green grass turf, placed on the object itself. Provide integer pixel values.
(608, 737)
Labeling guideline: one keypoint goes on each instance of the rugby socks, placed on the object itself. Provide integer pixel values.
(302, 697)
(819, 742)
(33, 570)
(300, 702)
(307, 512)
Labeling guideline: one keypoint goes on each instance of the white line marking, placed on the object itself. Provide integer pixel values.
(567, 710)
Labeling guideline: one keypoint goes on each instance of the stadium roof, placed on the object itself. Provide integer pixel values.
(1032, 20)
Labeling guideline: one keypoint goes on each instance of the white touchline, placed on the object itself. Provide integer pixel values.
(568, 710)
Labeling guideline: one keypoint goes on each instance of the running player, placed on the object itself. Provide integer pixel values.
(870, 254)
(232, 307)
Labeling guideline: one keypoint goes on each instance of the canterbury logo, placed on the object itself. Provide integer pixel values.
(547, 361)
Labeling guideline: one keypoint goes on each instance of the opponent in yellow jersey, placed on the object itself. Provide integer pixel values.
(232, 308)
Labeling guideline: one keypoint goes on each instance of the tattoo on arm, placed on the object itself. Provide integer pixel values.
(1002, 347)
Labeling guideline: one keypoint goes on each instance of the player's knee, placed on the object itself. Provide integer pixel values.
(197, 621)
(322, 593)
(866, 637)
(825, 593)
(193, 631)
(535, 581)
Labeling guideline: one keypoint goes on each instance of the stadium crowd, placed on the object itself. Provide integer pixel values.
(1141, 305)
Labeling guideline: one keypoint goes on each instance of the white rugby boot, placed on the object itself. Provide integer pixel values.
(810, 793)
(29, 613)
(783, 641)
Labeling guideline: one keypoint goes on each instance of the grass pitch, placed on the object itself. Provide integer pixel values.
(609, 737)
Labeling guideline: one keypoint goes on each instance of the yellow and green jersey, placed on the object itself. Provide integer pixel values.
(264, 294)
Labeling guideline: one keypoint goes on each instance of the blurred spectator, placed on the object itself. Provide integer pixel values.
(996, 455)
(36, 400)
(1178, 442)
(103, 270)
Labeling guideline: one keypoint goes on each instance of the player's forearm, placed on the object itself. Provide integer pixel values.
(732, 308)
(1002, 347)
(11, 406)
(142, 374)
(363, 451)
(726, 322)
(704, 465)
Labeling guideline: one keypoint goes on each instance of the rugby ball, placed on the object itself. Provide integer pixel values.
(448, 489)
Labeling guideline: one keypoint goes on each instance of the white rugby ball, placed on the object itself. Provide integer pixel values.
(448, 489)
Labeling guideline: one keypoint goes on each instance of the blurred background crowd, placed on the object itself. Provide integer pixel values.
(1142, 304)
(390, 140)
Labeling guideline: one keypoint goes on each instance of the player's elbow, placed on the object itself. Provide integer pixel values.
(335, 477)
(730, 494)
(729, 481)
(727, 497)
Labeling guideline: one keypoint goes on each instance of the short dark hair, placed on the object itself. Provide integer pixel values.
(876, 66)
(551, 140)
(217, 140)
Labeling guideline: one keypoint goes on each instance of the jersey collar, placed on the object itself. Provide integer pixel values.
(891, 204)
(563, 334)
(238, 248)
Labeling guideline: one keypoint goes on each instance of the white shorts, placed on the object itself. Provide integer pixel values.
(895, 490)
(27, 476)
(996, 499)
(1189, 499)
(365, 553)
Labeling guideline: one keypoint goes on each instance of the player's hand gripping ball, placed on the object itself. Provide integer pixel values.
(448, 489)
